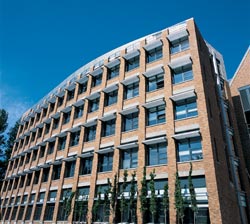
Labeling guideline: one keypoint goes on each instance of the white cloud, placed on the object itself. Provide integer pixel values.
(14, 104)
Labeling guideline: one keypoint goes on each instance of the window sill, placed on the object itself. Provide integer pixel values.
(110, 105)
(190, 161)
(151, 62)
(155, 90)
(130, 98)
(69, 177)
(155, 124)
(179, 51)
(158, 165)
(175, 84)
(84, 175)
(186, 118)
(108, 136)
(101, 172)
(123, 132)
(89, 141)
(129, 168)
(132, 69)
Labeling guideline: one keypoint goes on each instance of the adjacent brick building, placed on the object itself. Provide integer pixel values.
(240, 91)
(159, 102)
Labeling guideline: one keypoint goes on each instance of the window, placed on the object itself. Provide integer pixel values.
(108, 128)
(20, 214)
(94, 105)
(129, 158)
(66, 117)
(15, 183)
(86, 165)
(105, 162)
(28, 212)
(38, 212)
(156, 154)
(39, 131)
(41, 197)
(60, 101)
(111, 98)
(25, 199)
(21, 161)
(14, 211)
(245, 101)
(182, 74)
(78, 111)
(44, 112)
(96, 80)
(33, 135)
(189, 149)
(156, 115)
(52, 195)
(185, 108)
(56, 172)
(38, 115)
(154, 54)
(47, 127)
(34, 155)
(18, 200)
(32, 198)
(51, 147)
(179, 45)
(74, 138)
(90, 133)
(61, 143)
(45, 174)
(7, 214)
(132, 63)
(42, 151)
(56, 123)
(36, 177)
(83, 191)
(52, 107)
(49, 211)
(32, 121)
(82, 88)
(130, 121)
(113, 72)
(70, 168)
(28, 179)
(27, 158)
(131, 90)
(155, 82)
(71, 94)
(21, 183)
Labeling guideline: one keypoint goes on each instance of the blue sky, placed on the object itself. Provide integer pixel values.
(44, 41)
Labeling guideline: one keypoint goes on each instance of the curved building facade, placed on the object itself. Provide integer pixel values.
(158, 102)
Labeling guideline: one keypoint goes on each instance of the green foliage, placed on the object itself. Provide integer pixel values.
(193, 200)
(113, 198)
(81, 206)
(96, 206)
(3, 126)
(6, 146)
(123, 202)
(152, 206)
(4, 159)
(132, 199)
(107, 199)
(67, 204)
(165, 201)
(143, 194)
(179, 201)
(11, 139)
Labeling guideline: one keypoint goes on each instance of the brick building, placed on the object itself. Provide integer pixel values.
(159, 102)
(240, 91)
